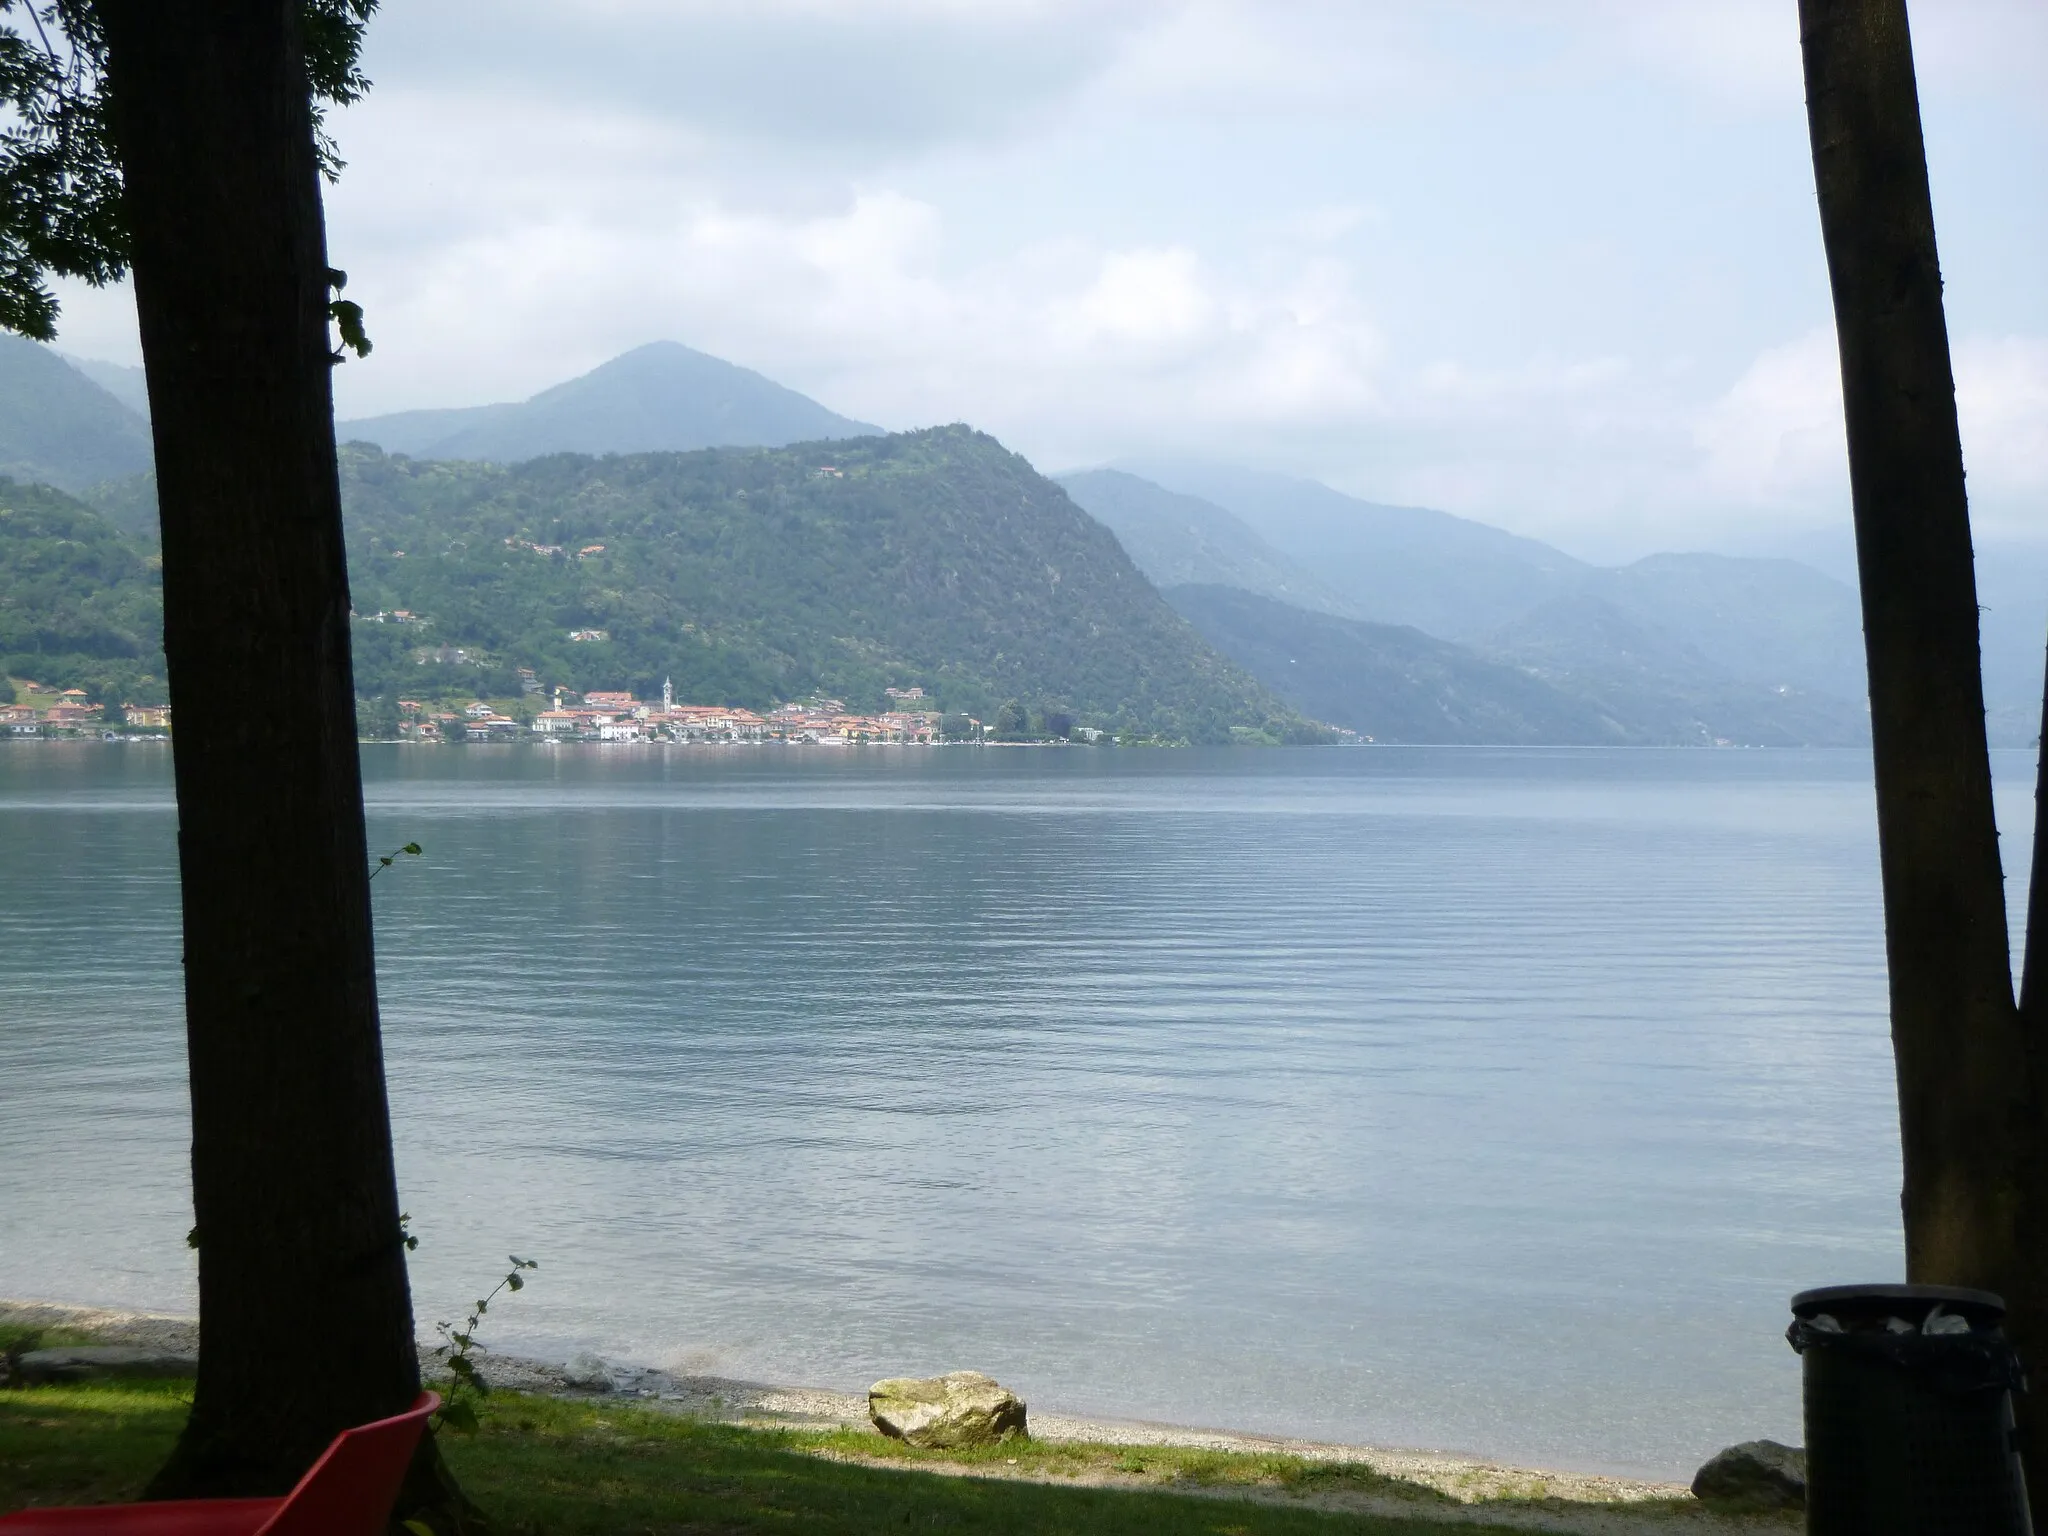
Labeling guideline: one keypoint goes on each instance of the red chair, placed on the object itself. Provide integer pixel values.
(349, 1491)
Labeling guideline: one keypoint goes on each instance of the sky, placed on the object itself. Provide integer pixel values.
(1552, 264)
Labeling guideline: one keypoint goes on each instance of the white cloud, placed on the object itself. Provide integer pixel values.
(1775, 439)
(2002, 399)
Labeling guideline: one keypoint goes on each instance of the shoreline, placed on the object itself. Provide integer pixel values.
(1465, 1478)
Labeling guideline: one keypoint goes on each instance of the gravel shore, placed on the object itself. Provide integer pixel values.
(1545, 1500)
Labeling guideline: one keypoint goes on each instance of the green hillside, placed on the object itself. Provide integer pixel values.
(59, 427)
(934, 559)
(81, 605)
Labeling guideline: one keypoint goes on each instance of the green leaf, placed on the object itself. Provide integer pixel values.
(192, 1238)
(461, 1365)
(459, 1417)
(348, 320)
(513, 1282)
(411, 848)
(419, 1527)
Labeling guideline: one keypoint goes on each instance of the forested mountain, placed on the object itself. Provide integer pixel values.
(81, 605)
(1179, 540)
(1387, 681)
(1447, 576)
(1611, 684)
(1677, 647)
(660, 397)
(1663, 687)
(933, 559)
(60, 428)
(125, 382)
(1768, 622)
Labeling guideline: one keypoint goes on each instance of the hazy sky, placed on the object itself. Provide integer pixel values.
(1550, 263)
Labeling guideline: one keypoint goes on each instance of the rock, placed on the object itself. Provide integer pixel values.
(83, 1361)
(1758, 1474)
(946, 1412)
(589, 1373)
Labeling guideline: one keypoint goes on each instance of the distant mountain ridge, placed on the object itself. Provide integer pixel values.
(1448, 576)
(1391, 682)
(662, 397)
(58, 427)
(1180, 540)
(1679, 648)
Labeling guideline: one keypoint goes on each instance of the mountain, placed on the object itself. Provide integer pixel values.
(1664, 687)
(1758, 621)
(59, 427)
(656, 398)
(1390, 682)
(934, 559)
(81, 605)
(1448, 576)
(1181, 541)
(1582, 674)
(125, 383)
(1673, 647)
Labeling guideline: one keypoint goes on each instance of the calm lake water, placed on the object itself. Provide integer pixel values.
(1473, 1099)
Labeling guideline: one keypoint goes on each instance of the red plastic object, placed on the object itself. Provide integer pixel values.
(349, 1491)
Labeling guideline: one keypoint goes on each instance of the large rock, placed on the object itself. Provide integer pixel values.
(1759, 1474)
(85, 1361)
(946, 1412)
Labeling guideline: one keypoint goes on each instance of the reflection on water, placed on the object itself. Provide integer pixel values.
(1475, 1099)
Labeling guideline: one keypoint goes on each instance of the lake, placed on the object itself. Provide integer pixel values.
(1478, 1099)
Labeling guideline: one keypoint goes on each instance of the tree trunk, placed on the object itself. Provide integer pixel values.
(1966, 1100)
(305, 1317)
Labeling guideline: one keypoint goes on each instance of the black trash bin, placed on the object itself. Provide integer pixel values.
(1909, 1427)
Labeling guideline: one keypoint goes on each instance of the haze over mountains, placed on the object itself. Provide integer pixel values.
(58, 427)
(1672, 649)
(1404, 623)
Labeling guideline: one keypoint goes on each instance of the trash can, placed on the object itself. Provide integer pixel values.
(1909, 1426)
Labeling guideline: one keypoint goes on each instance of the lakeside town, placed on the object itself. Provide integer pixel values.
(39, 711)
(599, 715)
(617, 716)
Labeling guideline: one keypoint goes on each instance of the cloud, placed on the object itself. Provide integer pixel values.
(839, 80)
(2002, 398)
(1775, 438)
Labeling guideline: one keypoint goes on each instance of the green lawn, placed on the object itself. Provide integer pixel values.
(539, 1465)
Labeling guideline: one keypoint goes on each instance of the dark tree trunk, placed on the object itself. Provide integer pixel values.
(1966, 1098)
(305, 1317)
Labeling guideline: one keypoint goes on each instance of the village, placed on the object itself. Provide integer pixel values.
(599, 715)
(38, 711)
(617, 716)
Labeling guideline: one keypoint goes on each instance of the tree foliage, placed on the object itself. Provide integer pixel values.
(60, 180)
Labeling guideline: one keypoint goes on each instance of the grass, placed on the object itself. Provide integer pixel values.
(20, 1338)
(539, 1465)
